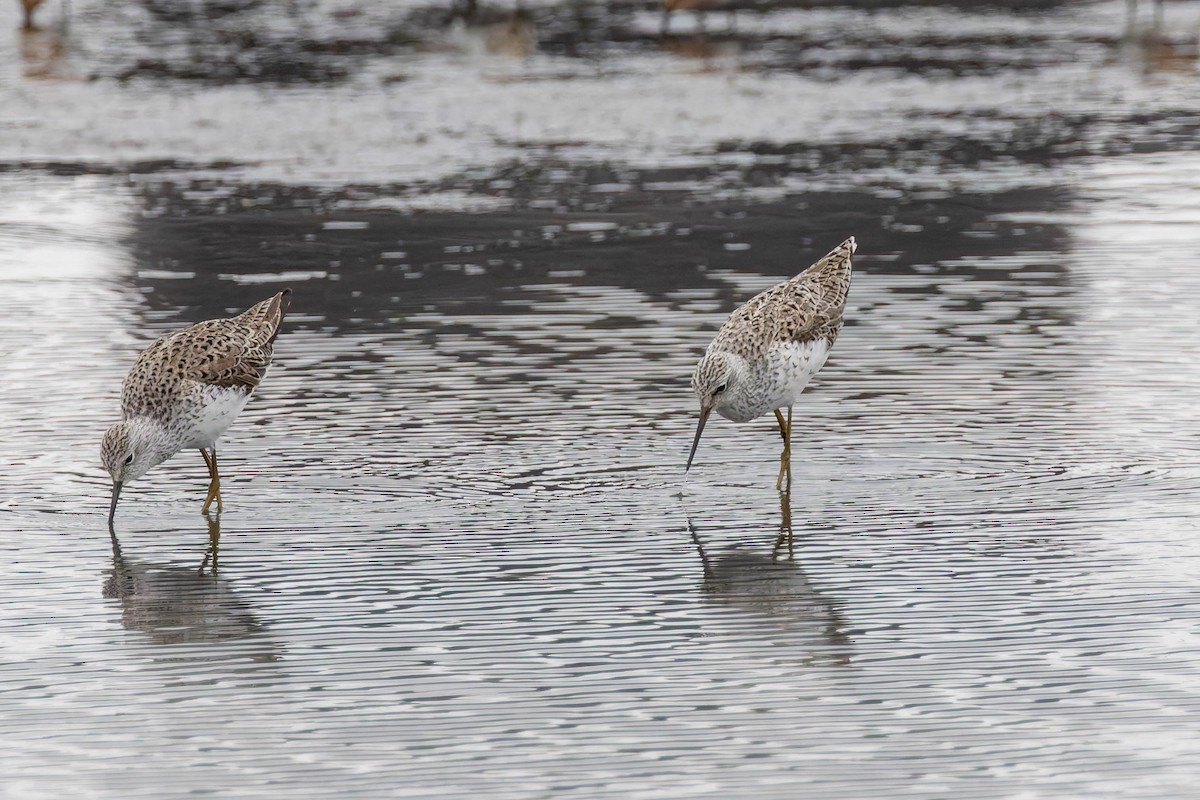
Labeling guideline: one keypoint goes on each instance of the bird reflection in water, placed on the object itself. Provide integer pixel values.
(27, 9)
(177, 604)
(772, 585)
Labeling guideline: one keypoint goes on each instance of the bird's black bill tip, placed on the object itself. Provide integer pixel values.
(704, 412)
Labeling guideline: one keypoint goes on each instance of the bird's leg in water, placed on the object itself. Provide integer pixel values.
(785, 458)
(214, 485)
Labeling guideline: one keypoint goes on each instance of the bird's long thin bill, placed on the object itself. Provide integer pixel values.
(112, 509)
(704, 412)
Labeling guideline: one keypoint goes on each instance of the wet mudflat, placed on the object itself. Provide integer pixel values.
(459, 556)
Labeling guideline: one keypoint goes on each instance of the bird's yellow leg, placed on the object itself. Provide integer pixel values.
(787, 450)
(214, 485)
(787, 447)
(785, 458)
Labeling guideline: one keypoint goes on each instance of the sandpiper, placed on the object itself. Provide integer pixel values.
(186, 389)
(764, 355)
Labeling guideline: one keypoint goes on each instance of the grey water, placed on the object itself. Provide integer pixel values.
(459, 556)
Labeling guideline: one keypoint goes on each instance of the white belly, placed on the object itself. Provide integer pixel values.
(791, 367)
(215, 412)
(776, 381)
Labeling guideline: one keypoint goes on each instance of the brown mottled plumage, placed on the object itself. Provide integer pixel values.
(803, 309)
(766, 352)
(186, 389)
(228, 353)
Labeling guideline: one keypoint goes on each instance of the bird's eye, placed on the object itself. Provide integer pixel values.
(129, 459)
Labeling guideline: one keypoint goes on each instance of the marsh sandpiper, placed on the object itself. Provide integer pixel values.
(766, 352)
(186, 389)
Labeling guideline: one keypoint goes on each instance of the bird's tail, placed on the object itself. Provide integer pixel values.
(836, 263)
(268, 315)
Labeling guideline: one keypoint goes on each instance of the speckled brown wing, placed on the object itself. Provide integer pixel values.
(778, 314)
(239, 351)
(228, 353)
(803, 309)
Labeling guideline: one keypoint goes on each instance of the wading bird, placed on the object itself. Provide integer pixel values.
(186, 389)
(764, 355)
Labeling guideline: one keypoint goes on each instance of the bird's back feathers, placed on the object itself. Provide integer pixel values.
(226, 353)
(806, 308)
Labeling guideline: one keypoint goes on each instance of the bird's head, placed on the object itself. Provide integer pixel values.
(715, 376)
(128, 452)
(715, 381)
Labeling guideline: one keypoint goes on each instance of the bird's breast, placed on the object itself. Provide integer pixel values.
(774, 381)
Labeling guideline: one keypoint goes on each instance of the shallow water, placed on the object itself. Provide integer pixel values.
(459, 555)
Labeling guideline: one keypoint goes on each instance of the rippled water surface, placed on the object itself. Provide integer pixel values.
(459, 556)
